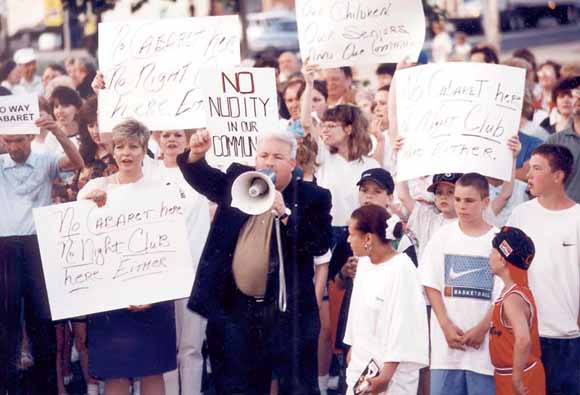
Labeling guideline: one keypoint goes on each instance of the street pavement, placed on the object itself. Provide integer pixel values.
(548, 41)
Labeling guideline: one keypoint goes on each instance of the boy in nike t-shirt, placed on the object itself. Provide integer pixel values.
(458, 282)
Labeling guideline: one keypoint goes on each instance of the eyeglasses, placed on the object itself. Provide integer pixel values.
(328, 125)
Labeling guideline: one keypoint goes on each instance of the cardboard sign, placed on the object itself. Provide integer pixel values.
(241, 104)
(457, 118)
(18, 114)
(101, 259)
(152, 68)
(336, 33)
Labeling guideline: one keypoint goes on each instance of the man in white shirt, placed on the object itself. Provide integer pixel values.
(552, 220)
(26, 183)
(30, 83)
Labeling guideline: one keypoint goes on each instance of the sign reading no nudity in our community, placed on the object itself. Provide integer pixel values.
(18, 114)
(241, 104)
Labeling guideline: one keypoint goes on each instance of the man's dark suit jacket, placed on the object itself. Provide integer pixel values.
(306, 235)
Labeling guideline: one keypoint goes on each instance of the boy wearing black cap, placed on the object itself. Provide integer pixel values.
(425, 220)
(514, 341)
(376, 186)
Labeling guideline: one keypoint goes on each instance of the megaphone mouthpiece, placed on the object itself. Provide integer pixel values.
(258, 187)
(253, 192)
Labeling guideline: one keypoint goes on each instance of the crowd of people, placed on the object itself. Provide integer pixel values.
(447, 284)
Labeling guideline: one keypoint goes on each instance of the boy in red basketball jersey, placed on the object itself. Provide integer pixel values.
(514, 342)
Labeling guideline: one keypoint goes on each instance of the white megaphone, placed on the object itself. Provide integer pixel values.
(253, 192)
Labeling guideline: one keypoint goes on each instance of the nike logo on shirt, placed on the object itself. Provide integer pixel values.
(453, 275)
(564, 244)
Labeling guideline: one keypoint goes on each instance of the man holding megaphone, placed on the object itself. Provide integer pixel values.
(254, 281)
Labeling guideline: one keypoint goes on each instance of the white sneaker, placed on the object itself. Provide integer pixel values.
(93, 389)
(136, 387)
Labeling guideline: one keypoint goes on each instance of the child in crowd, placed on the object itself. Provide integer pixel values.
(424, 220)
(514, 341)
(459, 284)
(552, 220)
(376, 187)
(385, 325)
(461, 47)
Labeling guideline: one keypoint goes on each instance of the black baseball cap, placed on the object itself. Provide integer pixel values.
(379, 176)
(450, 178)
(514, 246)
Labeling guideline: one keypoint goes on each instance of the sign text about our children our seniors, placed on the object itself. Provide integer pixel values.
(101, 259)
(336, 33)
(152, 68)
(241, 104)
(457, 118)
(18, 114)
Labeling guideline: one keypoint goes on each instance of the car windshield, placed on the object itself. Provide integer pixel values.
(285, 26)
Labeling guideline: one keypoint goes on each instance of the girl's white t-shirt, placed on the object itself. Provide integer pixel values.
(387, 322)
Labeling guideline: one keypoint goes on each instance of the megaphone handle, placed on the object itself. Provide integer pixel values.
(281, 275)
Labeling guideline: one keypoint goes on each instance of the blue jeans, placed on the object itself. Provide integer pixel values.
(460, 382)
(561, 359)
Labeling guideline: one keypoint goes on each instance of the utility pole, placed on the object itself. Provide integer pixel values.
(244, 23)
(66, 31)
(491, 23)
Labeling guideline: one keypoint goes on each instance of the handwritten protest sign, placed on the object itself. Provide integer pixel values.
(336, 33)
(151, 68)
(457, 117)
(100, 259)
(18, 113)
(241, 104)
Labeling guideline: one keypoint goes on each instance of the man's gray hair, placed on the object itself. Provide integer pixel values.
(131, 129)
(87, 63)
(282, 136)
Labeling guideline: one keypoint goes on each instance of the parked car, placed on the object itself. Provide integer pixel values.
(272, 31)
(514, 14)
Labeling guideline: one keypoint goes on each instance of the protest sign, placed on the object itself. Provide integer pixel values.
(101, 259)
(151, 68)
(336, 33)
(18, 113)
(241, 104)
(457, 118)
